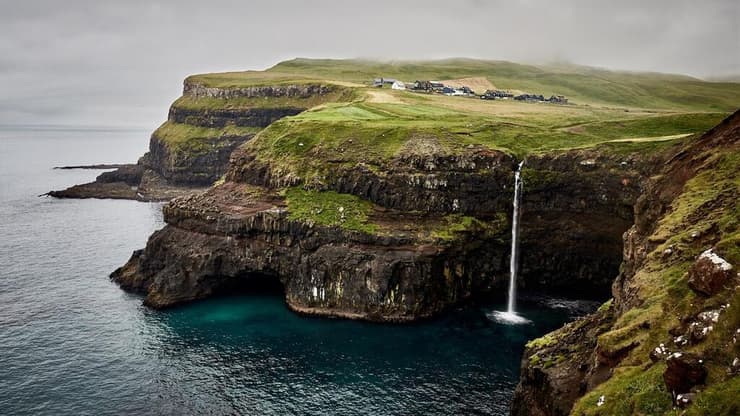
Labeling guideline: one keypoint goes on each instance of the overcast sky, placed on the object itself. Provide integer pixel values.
(122, 63)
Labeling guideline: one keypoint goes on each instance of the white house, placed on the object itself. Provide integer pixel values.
(398, 85)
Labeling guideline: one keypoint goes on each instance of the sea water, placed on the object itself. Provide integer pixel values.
(72, 342)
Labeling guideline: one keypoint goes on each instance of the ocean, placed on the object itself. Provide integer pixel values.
(72, 342)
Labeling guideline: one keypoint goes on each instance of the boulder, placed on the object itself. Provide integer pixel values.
(709, 274)
(683, 371)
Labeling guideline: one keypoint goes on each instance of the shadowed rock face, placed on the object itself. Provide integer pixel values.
(199, 169)
(210, 243)
(572, 223)
(254, 117)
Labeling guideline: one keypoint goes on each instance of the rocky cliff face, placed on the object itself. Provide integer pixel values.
(669, 336)
(413, 263)
(190, 168)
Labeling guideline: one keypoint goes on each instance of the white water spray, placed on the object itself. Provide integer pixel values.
(510, 316)
(514, 261)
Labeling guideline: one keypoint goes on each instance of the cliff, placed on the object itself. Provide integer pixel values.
(668, 338)
(191, 150)
(388, 208)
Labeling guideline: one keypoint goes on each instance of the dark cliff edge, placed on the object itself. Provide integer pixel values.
(668, 340)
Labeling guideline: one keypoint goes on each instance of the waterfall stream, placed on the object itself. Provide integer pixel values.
(514, 261)
(510, 316)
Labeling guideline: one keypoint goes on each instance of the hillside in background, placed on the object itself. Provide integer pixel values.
(583, 84)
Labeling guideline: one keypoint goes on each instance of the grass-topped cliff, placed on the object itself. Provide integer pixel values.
(344, 122)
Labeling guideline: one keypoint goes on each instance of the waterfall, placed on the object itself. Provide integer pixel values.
(514, 261)
(510, 316)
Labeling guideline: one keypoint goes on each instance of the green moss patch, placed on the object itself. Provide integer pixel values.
(337, 94)
(330, 209)
(630, 391)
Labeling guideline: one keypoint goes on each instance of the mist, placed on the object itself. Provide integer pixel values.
(98, 63)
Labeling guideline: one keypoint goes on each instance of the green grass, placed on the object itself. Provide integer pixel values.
(630, 391)
(542, 342)
(316, 142)
(329, 208)
(720, 399)
(663, 125)
(453, 226)
(196, 140)
(248, 79)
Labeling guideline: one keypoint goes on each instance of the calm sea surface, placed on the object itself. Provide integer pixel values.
(71, 342)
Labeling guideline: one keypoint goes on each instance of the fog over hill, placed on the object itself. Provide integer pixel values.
(121, 63)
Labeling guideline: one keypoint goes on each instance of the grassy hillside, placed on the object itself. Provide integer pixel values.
(356, 123)
(381, 125)
(581, 84)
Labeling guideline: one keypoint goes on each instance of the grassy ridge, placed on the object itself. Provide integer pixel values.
(581, 84)
(315, 141)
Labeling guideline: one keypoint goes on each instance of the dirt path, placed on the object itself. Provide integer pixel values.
(652, 139)
(382, 97)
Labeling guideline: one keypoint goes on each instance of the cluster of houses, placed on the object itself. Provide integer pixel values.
(505, 95)
(425, 86)
(440, 88)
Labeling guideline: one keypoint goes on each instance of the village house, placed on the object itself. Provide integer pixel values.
(437, 86)
(558, 99)
(398, 85)
(422, 85)
(496, 95)
(464, 92)
(530, 98)
(379, 82)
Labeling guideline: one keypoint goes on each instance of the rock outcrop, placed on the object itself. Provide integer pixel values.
(192, 149)
(710, 274)
(655, 330)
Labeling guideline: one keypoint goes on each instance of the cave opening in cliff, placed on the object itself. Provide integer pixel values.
(250, 283)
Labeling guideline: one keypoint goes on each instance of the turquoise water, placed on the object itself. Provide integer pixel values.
(71, 342)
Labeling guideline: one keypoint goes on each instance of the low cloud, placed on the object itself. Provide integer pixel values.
(122, 63)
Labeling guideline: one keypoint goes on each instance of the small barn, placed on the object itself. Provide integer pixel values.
(422, 85)
(398, 85)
